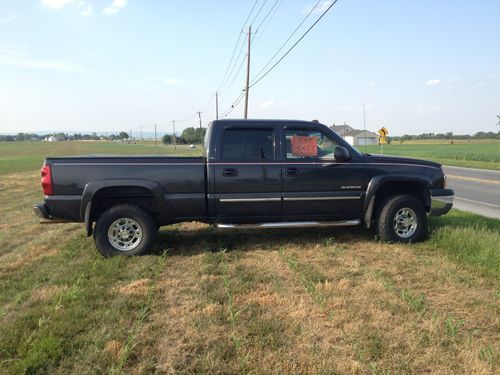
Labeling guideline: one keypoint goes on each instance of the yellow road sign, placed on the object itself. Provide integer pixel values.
(382, 140)
(383, 132)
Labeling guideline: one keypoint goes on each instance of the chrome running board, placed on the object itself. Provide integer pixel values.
(292, 224)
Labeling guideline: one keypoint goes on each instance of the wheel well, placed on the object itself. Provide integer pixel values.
(417, 189)
(112, 196)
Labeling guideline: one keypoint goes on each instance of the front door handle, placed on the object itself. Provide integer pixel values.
(291, 171)
(229, 172)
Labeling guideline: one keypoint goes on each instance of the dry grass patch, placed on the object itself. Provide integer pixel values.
(135, 288)
(114, 350)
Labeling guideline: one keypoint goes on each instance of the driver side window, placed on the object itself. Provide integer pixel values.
(309, 145)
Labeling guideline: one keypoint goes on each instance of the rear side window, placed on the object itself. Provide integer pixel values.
(247, 144)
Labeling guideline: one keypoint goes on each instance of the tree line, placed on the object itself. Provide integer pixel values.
(188, 136)
(448, 135)
(63, 137)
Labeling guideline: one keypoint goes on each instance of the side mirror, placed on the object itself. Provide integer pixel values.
(341, 154)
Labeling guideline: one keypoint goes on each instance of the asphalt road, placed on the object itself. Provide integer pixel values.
(476, 190)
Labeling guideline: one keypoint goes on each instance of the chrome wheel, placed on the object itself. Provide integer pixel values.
(125, 234)
(405, 222)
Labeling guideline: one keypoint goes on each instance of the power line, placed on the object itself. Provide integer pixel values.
(260, 10)
(290, 37)
(236, 46)
(226, 86)
(235, 104)
(295, 44)
(267, 15)
(259, 35)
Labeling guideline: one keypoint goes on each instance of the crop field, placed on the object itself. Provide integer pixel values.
(322, 301)
(484, 154)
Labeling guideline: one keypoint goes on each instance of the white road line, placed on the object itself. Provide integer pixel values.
(472, 169)
(477, 202)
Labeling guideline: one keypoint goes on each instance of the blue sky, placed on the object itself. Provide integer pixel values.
(110, 65)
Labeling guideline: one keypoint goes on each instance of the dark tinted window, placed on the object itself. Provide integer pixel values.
(247, 144)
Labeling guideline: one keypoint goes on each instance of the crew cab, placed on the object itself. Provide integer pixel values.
(253, 174)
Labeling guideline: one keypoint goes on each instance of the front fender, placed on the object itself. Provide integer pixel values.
(377, 181)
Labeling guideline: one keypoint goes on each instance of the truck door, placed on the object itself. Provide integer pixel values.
(315, 186)
(247, 175)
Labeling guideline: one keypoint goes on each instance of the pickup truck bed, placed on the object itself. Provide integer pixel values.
(179, 182)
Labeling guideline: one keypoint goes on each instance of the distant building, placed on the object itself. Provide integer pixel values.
(50, 138)
(341, 129)
(355, 137)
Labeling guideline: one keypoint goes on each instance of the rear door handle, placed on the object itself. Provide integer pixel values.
(291, 171)
(229, 172)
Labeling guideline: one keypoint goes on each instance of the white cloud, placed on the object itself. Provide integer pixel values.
(84, 8)
(115, 6)
(348, 108)
(9, 19)
(56, 4)
(373, 83)
(272, 103)
(433, 82)
(477, 86)
(319, 9)
(87, 11)
(171, 81)
(426, 109)
(24, 60)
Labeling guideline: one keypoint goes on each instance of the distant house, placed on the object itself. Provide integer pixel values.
(341, 129)
(50, 138)
(355, 137)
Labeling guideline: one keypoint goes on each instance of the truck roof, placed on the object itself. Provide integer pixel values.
(259, 122)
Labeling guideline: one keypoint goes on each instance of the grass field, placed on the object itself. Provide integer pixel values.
(24, 156)
(485, 154)
(206, 301)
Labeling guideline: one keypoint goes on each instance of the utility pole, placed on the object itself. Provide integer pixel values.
(248, 72)
(175, 137)
(130, 134)
(199, 116)
(364, 124)
(140, 129)
(155, 135)
(216, 105)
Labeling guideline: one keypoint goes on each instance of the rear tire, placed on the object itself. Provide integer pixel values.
(124, 229)
(402, 218)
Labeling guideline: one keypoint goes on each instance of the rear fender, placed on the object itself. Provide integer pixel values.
(93, 187)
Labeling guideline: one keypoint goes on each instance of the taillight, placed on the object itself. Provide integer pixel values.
(47, 187)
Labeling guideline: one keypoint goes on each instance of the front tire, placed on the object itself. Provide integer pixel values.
(402, 218)
(124, 229)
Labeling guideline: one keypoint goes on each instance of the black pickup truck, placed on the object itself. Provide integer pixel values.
(254, 174)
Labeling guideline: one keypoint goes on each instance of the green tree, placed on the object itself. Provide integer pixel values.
(166, 139)
(123, 135)
(193, 135)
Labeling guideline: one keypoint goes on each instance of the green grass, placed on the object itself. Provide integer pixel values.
(469, 239)
(24, 156)
(477, 155)
(67, 330)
